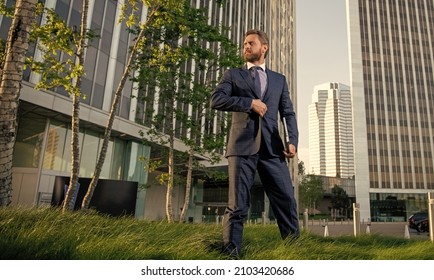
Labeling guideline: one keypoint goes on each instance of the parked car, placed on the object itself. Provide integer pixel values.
(423, 226)
(416, 218)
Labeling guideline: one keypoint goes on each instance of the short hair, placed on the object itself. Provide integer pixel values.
(263, 37)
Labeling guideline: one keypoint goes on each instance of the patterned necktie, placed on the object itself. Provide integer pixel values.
(260, 79)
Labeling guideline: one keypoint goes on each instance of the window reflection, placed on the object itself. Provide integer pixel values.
(28, 145)
(54, 148)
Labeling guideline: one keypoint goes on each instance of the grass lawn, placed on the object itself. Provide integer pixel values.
(48, 234)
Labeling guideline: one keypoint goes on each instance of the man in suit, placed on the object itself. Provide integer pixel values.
(256, 98)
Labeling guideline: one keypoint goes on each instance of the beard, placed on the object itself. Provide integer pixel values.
(251, 56)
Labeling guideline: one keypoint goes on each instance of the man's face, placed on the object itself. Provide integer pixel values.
(253, 49)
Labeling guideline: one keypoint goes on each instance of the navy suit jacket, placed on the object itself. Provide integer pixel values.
(235, 93)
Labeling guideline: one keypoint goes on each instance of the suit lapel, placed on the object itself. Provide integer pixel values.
(245, 73)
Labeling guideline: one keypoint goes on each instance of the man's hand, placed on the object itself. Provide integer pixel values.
(290, 153)
(259, 107)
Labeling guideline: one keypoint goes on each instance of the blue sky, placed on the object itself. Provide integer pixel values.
(322, 56)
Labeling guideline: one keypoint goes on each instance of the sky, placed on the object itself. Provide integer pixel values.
(322, 56)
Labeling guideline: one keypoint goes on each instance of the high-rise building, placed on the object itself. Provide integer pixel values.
(331, 131)
(42, 149)
(392, 84)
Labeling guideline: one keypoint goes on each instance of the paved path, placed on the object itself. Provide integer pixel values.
(341, 228)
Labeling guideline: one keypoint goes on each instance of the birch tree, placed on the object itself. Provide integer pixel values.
(52, 38)
(180, 97)
(75, 92)
(11, 74)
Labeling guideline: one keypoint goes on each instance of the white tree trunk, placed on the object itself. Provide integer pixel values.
(10, 86)
(171, 168)
(75, 146)
(187, 185)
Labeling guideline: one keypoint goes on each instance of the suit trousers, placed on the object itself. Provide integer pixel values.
(276, 180)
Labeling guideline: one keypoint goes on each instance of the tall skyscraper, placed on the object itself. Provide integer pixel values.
(40, 157)
(331, 131)
(392, 84)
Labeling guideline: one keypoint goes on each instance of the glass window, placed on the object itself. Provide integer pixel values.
(123, 43)
(135, 162)
(98, 96)
(62, 8)
(28, 145)
(86, 90)
(119, 71)
(101, 72)
(66, 164)
(105, 172)
(117, 161)
(106, 41)
(75, 18)
(125, 107)
(109, 22)
(98, 14)
(5, 23)
(89, 154)
(90, 62)
(55, 145)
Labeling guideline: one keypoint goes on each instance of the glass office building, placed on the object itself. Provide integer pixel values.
(392, 84)
(42, 148)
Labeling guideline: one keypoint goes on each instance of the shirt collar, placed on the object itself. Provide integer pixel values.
(250, 65)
